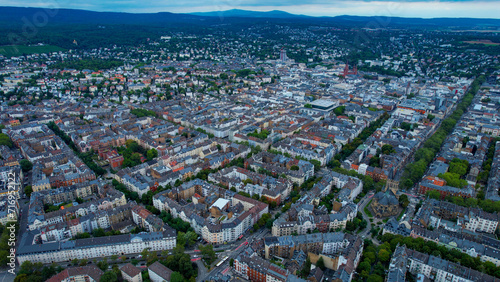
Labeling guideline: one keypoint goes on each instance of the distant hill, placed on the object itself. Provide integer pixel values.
(12, 16)
(382, 21)
(438, 22)
(72, 16)
(249, 14)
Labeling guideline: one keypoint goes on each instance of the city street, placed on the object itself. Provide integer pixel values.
(361, 206)
(233, 253)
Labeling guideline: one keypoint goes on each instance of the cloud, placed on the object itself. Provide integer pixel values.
(411, 8)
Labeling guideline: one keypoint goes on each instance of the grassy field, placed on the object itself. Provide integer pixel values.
(17, 50)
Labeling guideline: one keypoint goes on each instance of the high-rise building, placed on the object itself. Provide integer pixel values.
(283, 56)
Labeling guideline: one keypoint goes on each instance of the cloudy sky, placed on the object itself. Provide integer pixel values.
(411, 8)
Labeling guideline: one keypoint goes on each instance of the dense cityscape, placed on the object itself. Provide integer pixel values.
(258, 151)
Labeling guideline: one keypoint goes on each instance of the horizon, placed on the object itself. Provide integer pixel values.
(403, 9)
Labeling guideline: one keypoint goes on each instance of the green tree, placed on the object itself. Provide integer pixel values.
(364, 265)
(135, 158)
(384, 255)
(387, 149)
(375, 278)
(83, 262)
(181, 239)
(5, 140)
(98, 232)
(433, 194)
(317, 165)
(151, 154)
(458, 166)
(191, 237)
(180, 262)
(403, 200)
(306, 269)
(176, 277)
(109, 276)
(321, 263)
(208, 253)
(339, 110)
(103, 264)
(28, 190)
(25, 165)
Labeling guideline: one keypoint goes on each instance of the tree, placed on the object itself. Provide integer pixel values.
(387, 149)
(5, 140)
(375, 278)
(145, 253)
(147, 198)
(109, 276)
(191, 237)
(176, 277)
(26, 165)
(22, 278)
(98, 232)
(231, 262)
(403, 200)
(135, 158)
(151, 154)
(406, 126)
(181, 239)
(321, 263)
(208, 253)
(103, 264)
(317, 165)
(365, 265)
(384, 255)
(453, 179)
(458, 166)
(306, 269)
(28, 190)
(180, 262)
(374, 161)
(152, 258)
(83, 262)
(433, 194)
(339, 110)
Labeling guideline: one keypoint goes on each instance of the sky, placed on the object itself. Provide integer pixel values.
(396, 8)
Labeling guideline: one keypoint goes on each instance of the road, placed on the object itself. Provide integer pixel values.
(6, 276)
(231, 254)
(361, 208)
(23, 222)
